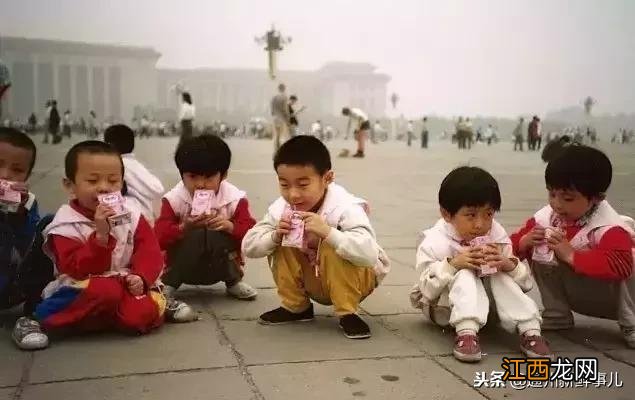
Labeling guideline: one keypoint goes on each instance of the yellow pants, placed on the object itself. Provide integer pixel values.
(340, 283)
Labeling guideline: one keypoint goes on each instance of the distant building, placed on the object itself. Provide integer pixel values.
(324, 91)
(81, 76)
(113, 80)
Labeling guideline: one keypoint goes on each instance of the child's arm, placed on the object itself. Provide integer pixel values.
(147, 260)
(167, 227)
(516, 237)
(27, 230)
(259, 241)
(79, 260)
(355, 241)
(611, 259)
(436, 274)
(242, 220)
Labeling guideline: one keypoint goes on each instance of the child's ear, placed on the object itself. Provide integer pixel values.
(445, 214)
(329, 176)
(69, 187)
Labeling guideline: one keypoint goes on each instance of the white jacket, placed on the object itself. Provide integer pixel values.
(71, 224)
(352, 235)
(226, 200)
(143, 186)
(442, 242)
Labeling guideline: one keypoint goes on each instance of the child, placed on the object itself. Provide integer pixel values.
(106, 274)
(450, 267)
(142, 185)
(22, 276)
(593, 246)
(203, 250)
(340, 262)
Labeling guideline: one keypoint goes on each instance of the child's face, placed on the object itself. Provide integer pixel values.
(14, 162)
(96, 174)
(471, 222)
(302, 186)
(570, 204)
(201, 182)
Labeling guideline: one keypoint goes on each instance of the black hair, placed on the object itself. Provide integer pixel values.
(17, 138)
(469, 187)
(293, 97)
(87, 147)
(305, 151)
(582, 168)
(346, 111)
(187, 98)
(121, 137)
(204, 155)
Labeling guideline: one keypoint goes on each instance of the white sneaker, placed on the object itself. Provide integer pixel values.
(242, 291)
(176, 310)
(28, 335)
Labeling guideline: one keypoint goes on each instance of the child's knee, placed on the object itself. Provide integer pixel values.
(106, 291)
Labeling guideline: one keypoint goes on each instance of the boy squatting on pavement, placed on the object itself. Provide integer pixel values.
(591, 272)
(450, 289)
(339, 262)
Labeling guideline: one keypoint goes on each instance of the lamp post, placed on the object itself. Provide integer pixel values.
(274, 41)
(5, 82)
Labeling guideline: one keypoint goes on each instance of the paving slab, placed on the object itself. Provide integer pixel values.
(13, 360)
(410, 378)
(602, 334)
(403, 256)
(468, 373)
(386, 300)
(400, 275)
(320, 339)
(220, 384)
(173, 347)
(7, 394)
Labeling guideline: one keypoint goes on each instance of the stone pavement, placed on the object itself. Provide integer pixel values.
(227, 355)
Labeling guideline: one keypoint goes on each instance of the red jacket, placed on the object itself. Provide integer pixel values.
(80, 260)
(168, 225)
(610, 259)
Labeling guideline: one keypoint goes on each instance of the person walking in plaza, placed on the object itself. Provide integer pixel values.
(361, 124)
(187, 114)
(93, 131)
(53, 122)
(532, 133)
(281, 117)
(488, 134)
(469, 133)
(518, 135)
(410, 132)
(461, 133)
(66, 124)
(424, 133)
(331, 256)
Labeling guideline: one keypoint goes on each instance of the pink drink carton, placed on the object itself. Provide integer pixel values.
(295, 238)
(203, 202)
(9, 199)
(482, 241)
(542, 253)
(116, 201)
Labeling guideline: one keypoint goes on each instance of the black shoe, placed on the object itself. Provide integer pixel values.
(358, 155)
(354, 327)
(283, 316)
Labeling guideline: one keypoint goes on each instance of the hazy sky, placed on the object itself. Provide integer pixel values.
(498, 57)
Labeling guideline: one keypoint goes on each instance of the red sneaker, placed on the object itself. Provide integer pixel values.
(535, 347)
(466, 348)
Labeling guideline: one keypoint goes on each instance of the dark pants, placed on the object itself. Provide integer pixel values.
(518, 142)
(186, 129)
(203, 257)
(25, 282)
(53, 130)
(424, 139)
